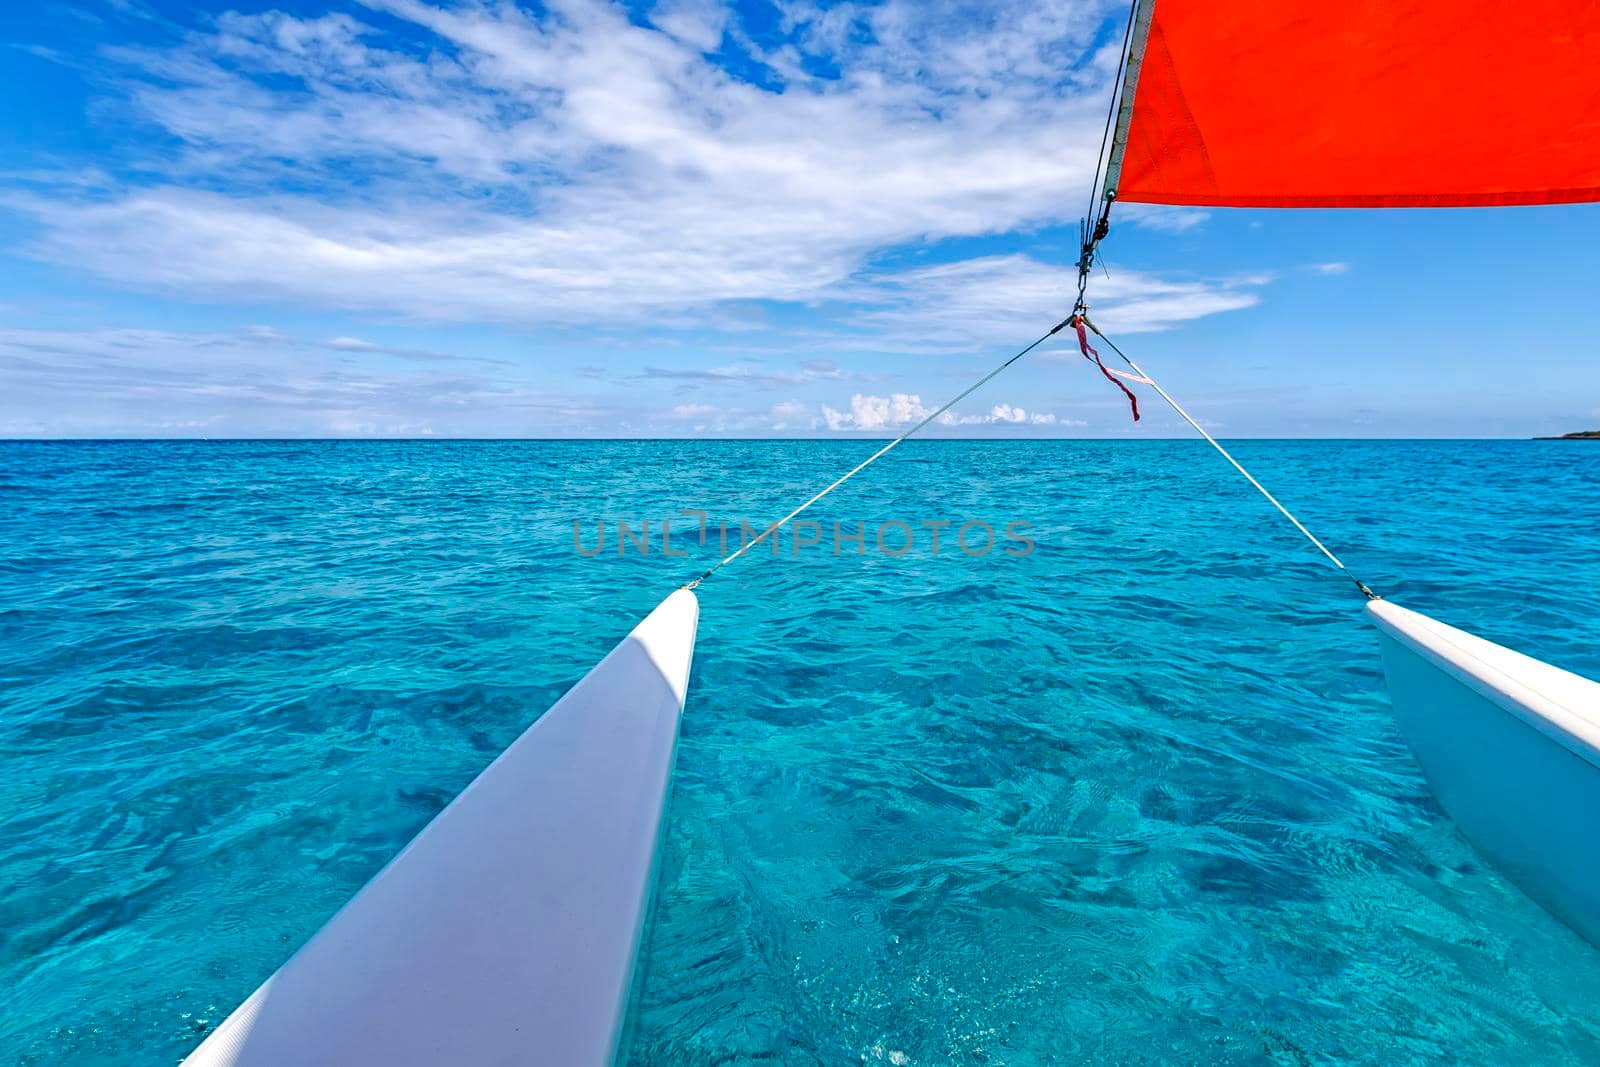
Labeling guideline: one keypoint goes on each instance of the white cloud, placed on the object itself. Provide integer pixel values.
(877, 412)
(900, 410)
(788, 415)
(993, 296)
(1007, 413)
(1162, 218)
(750, 373)
(578, 167)
(699, 23)
(1328, 268)
(792, 415)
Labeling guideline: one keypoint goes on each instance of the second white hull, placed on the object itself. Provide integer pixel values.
(1510, 746)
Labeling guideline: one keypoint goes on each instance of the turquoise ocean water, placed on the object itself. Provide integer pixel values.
(1133, 798)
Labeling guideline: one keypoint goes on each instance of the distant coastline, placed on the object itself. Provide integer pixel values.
(1581, 435)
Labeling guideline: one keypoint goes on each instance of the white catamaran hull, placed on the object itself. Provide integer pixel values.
(507, 931)
(1511, 748)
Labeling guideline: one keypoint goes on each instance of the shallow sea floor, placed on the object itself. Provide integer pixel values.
(1132, 798)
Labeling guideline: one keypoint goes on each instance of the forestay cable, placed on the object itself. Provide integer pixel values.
(879, 454)
(1298, 525)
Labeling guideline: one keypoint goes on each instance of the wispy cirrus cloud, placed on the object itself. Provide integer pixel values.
(261, 381)
(485, 162)
(683, 194)
(1162, 218)
(753, 374)
(976, 299)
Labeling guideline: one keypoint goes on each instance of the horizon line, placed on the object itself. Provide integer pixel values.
(851, 437)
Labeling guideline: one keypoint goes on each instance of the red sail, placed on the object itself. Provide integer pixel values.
(1366, 103)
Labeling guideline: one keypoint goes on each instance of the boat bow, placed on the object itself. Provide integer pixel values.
(507, 931)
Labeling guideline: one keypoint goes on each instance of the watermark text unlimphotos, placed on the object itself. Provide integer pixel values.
(895, 537)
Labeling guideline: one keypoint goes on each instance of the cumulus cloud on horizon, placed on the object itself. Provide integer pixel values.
(900, 410)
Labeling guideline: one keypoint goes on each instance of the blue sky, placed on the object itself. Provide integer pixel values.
(417, 217)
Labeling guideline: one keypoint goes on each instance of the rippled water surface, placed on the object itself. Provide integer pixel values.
(1133, 798)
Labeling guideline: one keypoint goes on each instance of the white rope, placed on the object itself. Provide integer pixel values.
(1298, 525)
(880, 453)
(1142, 377)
